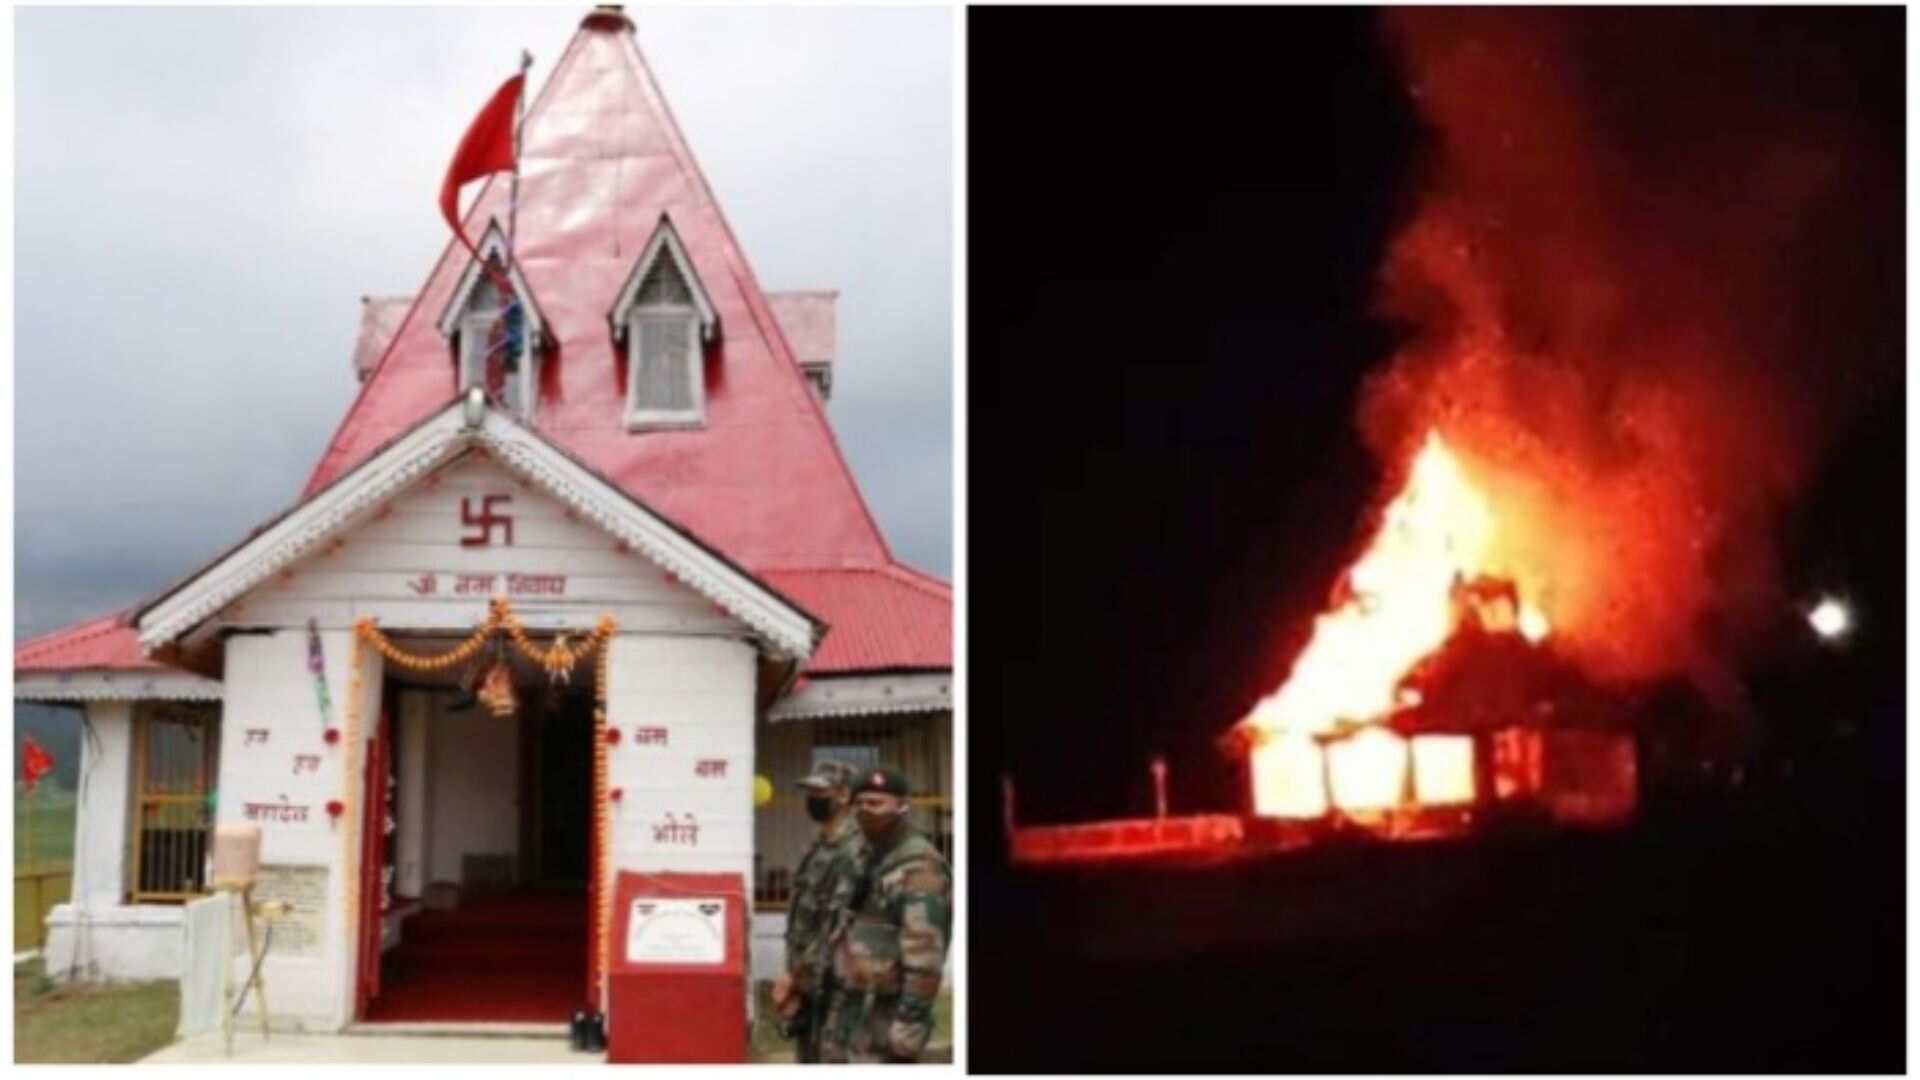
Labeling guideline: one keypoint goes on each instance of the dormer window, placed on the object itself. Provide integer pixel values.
(495, 332)
(664, 320)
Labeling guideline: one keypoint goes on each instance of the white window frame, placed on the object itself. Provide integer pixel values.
(704, 325)
(455, 320)
(473, 369)
(641, 418)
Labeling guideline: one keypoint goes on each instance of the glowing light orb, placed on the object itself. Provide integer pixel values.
(1831, 619)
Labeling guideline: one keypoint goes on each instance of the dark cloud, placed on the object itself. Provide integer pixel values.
(204, 195)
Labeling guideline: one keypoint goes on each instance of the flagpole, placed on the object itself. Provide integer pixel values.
(519, 117)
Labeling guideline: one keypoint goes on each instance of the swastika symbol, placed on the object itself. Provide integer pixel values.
(485, 521)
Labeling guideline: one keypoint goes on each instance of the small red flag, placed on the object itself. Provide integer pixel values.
(486, 148)
(34, 763)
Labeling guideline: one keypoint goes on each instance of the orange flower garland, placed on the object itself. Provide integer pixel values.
(558, 661)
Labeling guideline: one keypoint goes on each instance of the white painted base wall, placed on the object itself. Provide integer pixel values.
(119, 942)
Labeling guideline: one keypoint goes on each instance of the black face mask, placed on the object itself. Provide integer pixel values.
(819, 807)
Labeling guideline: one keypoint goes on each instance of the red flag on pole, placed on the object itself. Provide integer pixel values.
(34, 763)
(486, 148)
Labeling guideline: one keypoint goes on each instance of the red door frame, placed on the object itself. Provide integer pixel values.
(373, 859)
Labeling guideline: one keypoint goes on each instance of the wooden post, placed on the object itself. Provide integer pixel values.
(1159, 770)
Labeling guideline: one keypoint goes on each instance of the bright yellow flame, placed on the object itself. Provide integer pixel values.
(1831, 619)
(1442, 769)
(1437, 532)
(1533, 625)
(1368, 770)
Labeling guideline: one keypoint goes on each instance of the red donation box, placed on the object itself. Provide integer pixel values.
(677, 969)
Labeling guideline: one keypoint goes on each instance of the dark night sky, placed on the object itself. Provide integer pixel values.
(1176, 221)
(1175, 224)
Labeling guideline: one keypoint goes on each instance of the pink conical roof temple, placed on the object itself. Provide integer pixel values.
(762, 479)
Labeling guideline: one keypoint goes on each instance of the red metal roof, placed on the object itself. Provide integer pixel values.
(105, 643)
(379, 317)
(764, 480)
(885, 617)
(806, 317)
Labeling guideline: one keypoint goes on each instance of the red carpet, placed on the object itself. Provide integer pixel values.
(519, 957)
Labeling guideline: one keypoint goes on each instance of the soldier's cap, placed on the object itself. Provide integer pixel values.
(826, 776)
(883, 779)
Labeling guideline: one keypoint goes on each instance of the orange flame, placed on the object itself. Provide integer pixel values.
(1401, 606)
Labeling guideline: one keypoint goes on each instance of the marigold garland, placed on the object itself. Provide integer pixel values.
(558, 661)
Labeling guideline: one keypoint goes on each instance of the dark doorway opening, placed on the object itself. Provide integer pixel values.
(511, 945)
(562, 743)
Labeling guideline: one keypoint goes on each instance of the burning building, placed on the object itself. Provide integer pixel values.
(1603, 400)
(1430, 688)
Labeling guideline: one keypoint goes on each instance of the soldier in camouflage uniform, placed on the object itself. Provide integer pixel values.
(823, 889)
(888, 962)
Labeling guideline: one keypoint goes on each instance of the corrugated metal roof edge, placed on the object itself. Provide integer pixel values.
(72, 633)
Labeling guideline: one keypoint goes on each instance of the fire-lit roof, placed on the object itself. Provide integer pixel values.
(763, 480)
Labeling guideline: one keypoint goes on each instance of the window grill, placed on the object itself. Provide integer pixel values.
(176, 756)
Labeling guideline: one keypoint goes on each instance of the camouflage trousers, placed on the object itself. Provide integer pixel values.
(800, 1028)
(859, 1028)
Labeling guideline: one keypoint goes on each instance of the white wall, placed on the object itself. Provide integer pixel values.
(379, 569)
(268, 688)
(474, 780)
(702, 691)
(115, 941)
(679, 663)
(100, 824)
(413, 799)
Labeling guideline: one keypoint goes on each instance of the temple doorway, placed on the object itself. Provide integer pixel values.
(486, 921)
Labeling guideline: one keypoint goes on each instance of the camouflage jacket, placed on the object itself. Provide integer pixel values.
(896, 947)
(823, 889)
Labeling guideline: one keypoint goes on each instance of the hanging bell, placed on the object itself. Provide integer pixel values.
(559, 662)
(496, 691)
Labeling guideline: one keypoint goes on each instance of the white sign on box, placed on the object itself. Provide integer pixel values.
(685, 931)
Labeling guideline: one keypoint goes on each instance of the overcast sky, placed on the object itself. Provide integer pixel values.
(203, 196)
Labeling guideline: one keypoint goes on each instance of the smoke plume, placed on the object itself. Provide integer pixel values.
(1655, 258)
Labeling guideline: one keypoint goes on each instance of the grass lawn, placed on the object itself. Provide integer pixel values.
(42, 859)
(42, 827)
(769, 1048)
(108, 1024)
